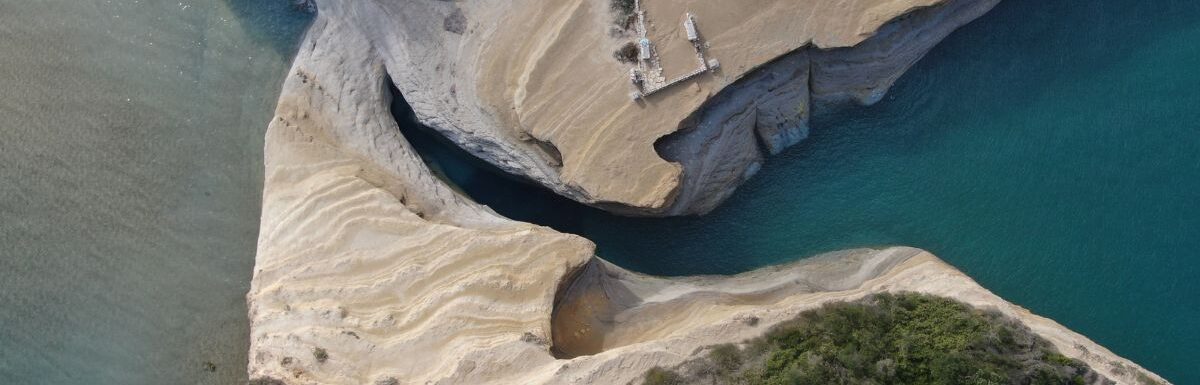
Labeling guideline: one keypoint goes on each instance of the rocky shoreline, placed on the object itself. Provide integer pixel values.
(540, 96)
(370, 269)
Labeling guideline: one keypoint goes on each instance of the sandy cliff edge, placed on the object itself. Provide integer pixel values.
(532, 86)
(366, 259)
(367, 256)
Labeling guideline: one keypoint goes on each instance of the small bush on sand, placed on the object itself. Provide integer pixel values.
(320, 354)
(660, 376)
(623, 10)
(628, 53)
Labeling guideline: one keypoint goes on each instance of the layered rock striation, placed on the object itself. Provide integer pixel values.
(532, 86)
(724, 141)
(370, 269)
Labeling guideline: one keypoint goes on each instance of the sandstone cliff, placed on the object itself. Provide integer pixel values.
(371, 270)
(531, 86)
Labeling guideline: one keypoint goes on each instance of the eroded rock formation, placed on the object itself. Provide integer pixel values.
(371, 270)
(531, 86)
(723, 143)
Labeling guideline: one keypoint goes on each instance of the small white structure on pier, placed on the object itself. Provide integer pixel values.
(689, 25)
(644, 49)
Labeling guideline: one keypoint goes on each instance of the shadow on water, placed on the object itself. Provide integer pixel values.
(517, 198)
(277, 23)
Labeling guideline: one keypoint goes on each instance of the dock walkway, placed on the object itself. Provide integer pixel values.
(648, 74)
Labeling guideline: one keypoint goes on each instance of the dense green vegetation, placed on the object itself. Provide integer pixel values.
(886, 339)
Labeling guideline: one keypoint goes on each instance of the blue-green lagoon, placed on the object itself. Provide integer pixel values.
(1051, 150)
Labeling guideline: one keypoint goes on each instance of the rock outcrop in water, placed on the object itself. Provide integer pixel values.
(372, 270)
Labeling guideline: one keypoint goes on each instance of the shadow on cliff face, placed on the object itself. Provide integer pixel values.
(584, 296)
(935, 165)
(516, 198)
(278, 23)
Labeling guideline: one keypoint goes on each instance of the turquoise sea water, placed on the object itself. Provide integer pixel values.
(1051, 150)
(130, 179)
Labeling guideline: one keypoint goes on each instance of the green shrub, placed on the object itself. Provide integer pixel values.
(726, 358)
(660, 376)
(320, 354)
(886, 339)
(623, 10)
(623, 7)
(628, 53)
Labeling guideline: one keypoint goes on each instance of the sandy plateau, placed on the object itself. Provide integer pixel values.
(548, 73)
(371, 270)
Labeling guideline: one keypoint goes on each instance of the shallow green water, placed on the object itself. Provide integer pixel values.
(1051, 150)
(130, 179)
